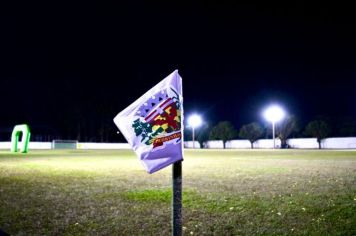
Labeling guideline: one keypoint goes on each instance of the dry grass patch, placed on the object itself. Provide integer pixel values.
(226, 192)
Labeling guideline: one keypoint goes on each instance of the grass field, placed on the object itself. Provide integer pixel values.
(226, 192)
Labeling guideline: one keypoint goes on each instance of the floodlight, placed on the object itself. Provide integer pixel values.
(274, 113)
(194, 121)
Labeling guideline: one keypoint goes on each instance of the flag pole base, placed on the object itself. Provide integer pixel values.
(177, 199)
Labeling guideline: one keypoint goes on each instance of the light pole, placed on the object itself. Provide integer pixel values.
(194, 121)
(274, 113)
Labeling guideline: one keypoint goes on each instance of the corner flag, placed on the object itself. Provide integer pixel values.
(152, 125)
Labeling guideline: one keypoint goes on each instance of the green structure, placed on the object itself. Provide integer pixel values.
(18, 129)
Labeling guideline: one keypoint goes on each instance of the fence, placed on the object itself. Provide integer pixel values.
(303, 143)
(189, 144)
(48, 145)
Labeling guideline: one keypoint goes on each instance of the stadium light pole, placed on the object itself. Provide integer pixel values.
(194, 121)
(274, 113)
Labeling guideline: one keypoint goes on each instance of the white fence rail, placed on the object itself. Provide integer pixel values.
(304, 143)
(48, 145)
(339, 143)
(238, 144)
(31, 145)
(214, 144)
(266, 143)
(5, 145)
(189, 144)
(103, 146)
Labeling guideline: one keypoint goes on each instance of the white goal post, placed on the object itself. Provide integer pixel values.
(64, 144)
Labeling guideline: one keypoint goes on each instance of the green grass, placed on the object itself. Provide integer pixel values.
(226, 192)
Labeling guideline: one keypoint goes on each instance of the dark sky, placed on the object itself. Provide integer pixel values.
(73, 67)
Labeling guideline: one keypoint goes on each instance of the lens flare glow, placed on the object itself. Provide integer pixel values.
(274, 113)
(194, 121)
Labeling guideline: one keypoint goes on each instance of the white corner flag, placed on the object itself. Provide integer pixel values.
(152, 125)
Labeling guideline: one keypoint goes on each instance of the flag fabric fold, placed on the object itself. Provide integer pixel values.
(153, 124)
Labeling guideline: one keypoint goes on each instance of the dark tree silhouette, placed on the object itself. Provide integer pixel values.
(251, 131)
(224, 131)
(319, 129)
(286, 128)
(202, 134)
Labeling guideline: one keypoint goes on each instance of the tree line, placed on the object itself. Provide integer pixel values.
(320, 128)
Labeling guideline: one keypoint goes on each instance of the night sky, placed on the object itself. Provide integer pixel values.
(67, 70)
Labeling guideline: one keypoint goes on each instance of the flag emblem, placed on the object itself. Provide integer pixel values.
(152, 125)
(159, 119)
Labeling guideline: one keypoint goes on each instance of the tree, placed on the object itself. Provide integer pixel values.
(285, 128)
(319, 129)
(224, 131)
(201, 134)
(251, 131)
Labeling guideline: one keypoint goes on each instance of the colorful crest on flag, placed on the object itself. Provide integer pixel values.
(152, 125)
(159, 119)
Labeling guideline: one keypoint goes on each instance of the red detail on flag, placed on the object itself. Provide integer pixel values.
(159, 141)
(169, 118)
(164, 103)
(169, 99)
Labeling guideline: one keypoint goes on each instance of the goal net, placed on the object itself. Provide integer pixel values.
(64, 144)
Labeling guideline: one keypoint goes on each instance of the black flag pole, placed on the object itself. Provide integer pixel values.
(177, 199)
